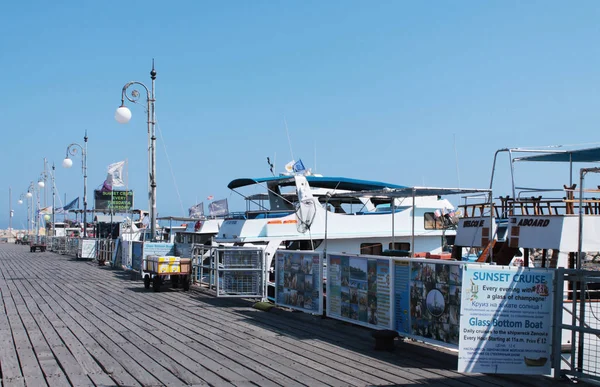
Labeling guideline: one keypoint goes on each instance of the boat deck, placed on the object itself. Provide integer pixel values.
(69, 322)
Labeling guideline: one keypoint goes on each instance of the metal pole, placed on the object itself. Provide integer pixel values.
(53, 202)
(37, 218)
(84, 157)
(45, 177)
(412, 238)
(10, 213)
(32, 209)
(151, 130)
(580, 239)
(393, 224)
(28, 214)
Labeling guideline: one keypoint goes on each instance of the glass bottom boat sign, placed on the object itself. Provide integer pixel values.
(506, 320)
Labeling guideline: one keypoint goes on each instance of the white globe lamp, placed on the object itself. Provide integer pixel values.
(20, 201)
(41, 184)
(29, 194)
(123, 115)
(67, 163)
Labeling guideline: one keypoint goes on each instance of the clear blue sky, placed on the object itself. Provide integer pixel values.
(381, 90)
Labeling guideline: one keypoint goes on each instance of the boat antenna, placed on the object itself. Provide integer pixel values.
(288, 136)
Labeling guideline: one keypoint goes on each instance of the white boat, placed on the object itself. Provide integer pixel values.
(340, 215)
(554, 227)
(528, 219)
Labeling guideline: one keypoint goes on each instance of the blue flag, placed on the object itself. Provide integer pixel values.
(73, 204)
(298, 166)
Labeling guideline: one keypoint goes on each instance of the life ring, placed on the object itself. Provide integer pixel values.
(197, 226)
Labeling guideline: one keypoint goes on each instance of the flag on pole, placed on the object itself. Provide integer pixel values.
(210, 197)
(73, 204)
(114, 177)
(196, 211)
(218, 208)
(298, 166)
(46, 210)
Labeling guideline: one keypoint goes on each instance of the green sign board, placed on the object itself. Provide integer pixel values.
(118, 201)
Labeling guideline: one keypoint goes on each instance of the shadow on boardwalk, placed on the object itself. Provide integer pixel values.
(71, 322)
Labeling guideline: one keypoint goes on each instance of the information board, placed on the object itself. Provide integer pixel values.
(87, 249)
(359, 290)
(506, 320)
(118, 201)
(299, 280)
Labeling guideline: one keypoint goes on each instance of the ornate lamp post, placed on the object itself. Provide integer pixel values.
(123, 115)
(68, 163)
(29, 195)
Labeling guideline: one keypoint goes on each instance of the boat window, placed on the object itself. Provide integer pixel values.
(433, 223)
(303, 244)
(371, 248)
(400, 246)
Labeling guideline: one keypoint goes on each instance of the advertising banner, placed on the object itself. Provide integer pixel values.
(428, 307)
(126, 254)
(299, 280)
(506, 320)
(118, 201)
(359, 290)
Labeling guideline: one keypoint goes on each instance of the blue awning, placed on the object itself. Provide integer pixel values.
(341, 183)
(589, 155)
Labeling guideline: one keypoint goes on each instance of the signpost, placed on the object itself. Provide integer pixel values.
(506, 320)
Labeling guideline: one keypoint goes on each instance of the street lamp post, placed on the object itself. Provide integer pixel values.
(29, 195)
(68, 163)
(20, 201)
(53, 202)
(123, 115)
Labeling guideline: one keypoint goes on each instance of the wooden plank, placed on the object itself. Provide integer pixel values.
(100, 348)
(30, 368)
(150, 364)
(98, 317)
(168, 333)
(216, 350)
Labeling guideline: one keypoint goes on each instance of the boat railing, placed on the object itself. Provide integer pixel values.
(260, 214)
(507, 206)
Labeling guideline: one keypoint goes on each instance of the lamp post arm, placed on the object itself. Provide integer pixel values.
(134, 95)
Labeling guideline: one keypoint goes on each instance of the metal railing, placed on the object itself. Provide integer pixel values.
(230, 272)
(577, 324)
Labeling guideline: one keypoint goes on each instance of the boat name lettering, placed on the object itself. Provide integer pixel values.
(473, 223)
(534, 222)
(231, 222)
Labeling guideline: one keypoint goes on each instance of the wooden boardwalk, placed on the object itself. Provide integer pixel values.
(65, 322)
